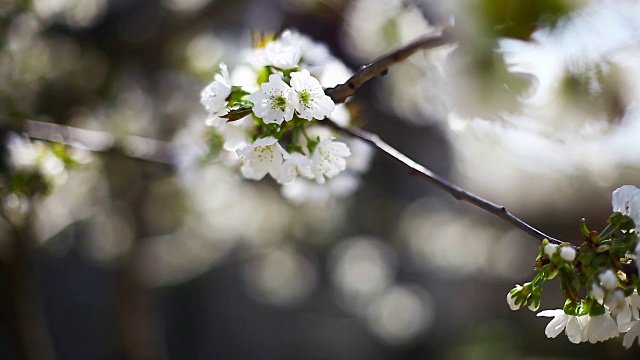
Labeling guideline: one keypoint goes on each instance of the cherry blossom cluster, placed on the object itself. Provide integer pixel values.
(32, 167)
(604, 268)
(266, 114)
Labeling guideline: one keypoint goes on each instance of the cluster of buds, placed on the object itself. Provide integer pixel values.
(267, 113)
(604, 267)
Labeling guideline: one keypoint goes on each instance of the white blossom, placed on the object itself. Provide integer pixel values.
(245, 76)
(23, 154)
(568, 253)
(294, 164)
(512, 301)
(272, 102)
(262, 157)
(637, 253)
(608, 279)
(283, 53)
(600, 328)
(626, 200)
(573, 325)
(51, 165)
(631, 335)
(309, 98)
(214, 96)
(616, 302)
(634, 303)
(550, 249)
(313, 53)
(629, 314)
(340, 115)
(35, 157)
(597, 291)
(333, 73)
(329, 159)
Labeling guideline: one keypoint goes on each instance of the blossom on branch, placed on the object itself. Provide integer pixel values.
(573, 325)
(272, 102)
(278, 98)
(283, 53)
(214, 96)
(599, 328)
(309, 98)
(262, 157)
(294, 164)
(329, 159)
(626, 200)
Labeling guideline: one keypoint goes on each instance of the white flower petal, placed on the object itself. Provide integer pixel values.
(631, 335)
(309, 98)
(626, 200)
(550, 313)
(294, 164)
(329, 159)
(556, 325)
(600, 328)
(575, 327)
(261, 157)
(214, 96)
(272, 103)
(283, 53)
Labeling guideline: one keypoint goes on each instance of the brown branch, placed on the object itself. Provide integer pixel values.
(453, 190)
(380, 66)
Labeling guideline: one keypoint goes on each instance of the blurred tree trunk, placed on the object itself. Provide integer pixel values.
(139, 336)
(34, 341)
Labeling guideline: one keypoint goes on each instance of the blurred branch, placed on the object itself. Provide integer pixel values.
(380, 66)
(453, 190)
(136, 147)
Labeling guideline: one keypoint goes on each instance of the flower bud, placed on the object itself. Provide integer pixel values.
(567, 253)
(550, 249)
(608, 279)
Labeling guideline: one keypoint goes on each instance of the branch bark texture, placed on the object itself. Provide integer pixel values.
(381, 66)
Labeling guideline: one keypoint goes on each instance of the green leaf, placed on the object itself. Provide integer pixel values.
(236, 95)
(238, 114)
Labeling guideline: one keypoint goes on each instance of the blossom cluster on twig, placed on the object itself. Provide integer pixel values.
(266, 115)
(30, 168)
(603, 268)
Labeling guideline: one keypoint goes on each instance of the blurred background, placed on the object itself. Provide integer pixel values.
(142, 253)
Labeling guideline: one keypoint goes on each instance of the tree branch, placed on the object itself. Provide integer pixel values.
(453, 190)
(136, 147)
(380, 66)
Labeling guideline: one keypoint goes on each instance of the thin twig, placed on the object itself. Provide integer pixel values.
(380, 66)
(453, 190)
